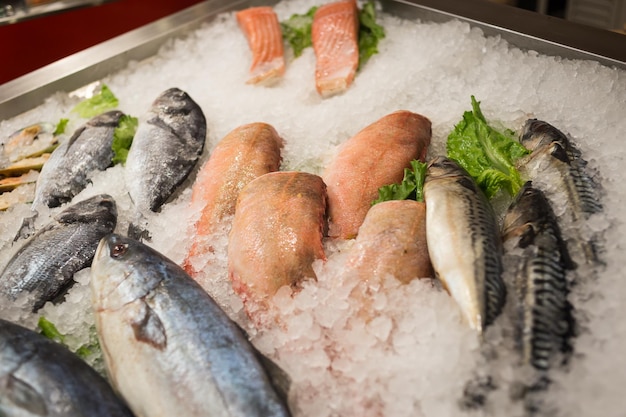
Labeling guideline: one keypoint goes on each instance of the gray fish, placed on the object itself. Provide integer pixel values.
(39, 377)
(556, 162)
(544, 321)
(168, 347)
(165, 149)
(464, 242)
(46, 263)
(67, 171)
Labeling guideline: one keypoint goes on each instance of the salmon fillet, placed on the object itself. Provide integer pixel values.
(276, 234)
(244, 154)
(375, 156)
(262, 29)
(335, 42)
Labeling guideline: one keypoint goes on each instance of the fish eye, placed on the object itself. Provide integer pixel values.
(119, 250)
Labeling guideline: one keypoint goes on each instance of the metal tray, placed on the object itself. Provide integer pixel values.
(521, 28)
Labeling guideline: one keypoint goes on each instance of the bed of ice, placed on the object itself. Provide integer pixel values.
(380, 348)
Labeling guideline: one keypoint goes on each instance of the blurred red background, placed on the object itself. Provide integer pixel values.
(31, 44)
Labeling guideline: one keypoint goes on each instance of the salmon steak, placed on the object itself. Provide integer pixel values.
(374, 157)
(335, 41)
(265, 38)
(244, 154)
(276, 234)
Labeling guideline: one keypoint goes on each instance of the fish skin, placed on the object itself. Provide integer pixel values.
(464, 242)
(376, 156)
(67, 171)
(47, 262)
(545, 322)
(264, 34)
(392, 241)
(165, 149)
(334, 35)
(39, 377)
(168, 347)
(244, 154)
(276, 234)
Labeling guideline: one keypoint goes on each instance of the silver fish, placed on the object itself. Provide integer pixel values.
(544, 321)
(464, 242)
(47, 262)
(168, 347)
(556, 162)
(165, 149)
(39, 377)
(67, 171)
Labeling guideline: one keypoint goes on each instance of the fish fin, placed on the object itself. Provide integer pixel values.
(559, 152)
(138, 233)
(75, 137)
(149, 328)
(27, 229)
(23, 396)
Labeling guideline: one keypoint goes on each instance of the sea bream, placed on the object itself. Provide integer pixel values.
(557, 168)
(247, 152)
(46, 264)
(67, 171)
(165, 149)
(464, 242)
(169, 349)
(544, 319)
(39, 377)
(276, 234)
(376, 156)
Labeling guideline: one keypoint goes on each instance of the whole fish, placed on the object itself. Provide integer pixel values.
(376, 156)
(168, 347)
(544, 321)
(39, 377)
(67, 171)
(555, 161)
(46, 263)
(246, 153)
(276, 234)
(165, 149)
(392, 241)
(464, 242)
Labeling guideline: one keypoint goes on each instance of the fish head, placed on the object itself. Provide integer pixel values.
(443, 167)
(172, 101)
(123, 270)
(523, 216)
(536, 134)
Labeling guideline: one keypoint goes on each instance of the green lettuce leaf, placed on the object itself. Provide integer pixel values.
(297, 31)
(50, 331)
(411, 187)
(123, 138)
(370, 33)
(486, 153)
(60, 128)
(98, 104)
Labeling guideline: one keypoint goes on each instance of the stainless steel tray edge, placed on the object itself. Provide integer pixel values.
(75, 71)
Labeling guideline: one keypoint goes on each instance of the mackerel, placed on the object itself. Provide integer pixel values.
(544, 320)
(168, 347)
(464, 242)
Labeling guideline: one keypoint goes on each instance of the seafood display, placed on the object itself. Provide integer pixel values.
(345, 244)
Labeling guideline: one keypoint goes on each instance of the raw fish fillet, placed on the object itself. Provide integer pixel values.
(246, 153)
(276, 233)
(374, 157)
(392, 241)
(262, 29)
(335, 41)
